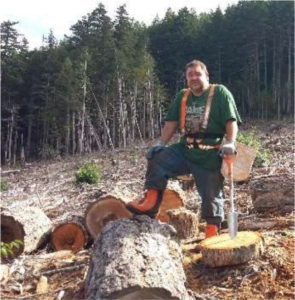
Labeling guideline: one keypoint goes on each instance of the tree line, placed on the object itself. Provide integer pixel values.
(108, 83)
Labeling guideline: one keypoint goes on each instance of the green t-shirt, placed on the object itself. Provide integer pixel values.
(223, 108)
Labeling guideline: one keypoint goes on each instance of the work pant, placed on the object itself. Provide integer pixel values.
(170, 162)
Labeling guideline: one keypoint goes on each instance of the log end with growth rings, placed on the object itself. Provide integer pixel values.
(222, 250)
(68, 236)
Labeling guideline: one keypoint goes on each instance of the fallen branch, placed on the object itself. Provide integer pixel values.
(65, 269)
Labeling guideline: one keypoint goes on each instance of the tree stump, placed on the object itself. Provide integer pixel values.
(112, 206)
(185, 222)
(222, 250)
(28, 224)
(175, 197)
(136, 258)
(273, 194)
(69, 234)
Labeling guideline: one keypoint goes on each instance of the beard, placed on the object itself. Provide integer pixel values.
(198, 87)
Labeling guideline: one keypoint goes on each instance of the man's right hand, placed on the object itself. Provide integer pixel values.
(159, 146)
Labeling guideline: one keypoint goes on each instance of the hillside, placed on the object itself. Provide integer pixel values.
(51, 186)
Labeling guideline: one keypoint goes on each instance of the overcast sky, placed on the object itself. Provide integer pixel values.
(37, 17)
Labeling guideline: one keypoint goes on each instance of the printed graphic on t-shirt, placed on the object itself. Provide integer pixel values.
(193, 118)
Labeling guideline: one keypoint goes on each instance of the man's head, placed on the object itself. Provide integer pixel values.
(197, 76)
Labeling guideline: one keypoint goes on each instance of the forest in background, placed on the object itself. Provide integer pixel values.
(109, 83)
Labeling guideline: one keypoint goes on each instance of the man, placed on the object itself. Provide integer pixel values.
(199, 150)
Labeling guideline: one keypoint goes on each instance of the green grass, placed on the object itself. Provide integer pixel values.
(250, 138)
(6, 249)
(89, 173)
(3, 185)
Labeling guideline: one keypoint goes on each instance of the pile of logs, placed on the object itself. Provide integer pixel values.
(75, 232)
(133, 257)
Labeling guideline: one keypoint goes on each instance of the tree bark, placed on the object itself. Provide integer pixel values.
(35, 224)
(273, 194)
(136, 259)
(185, 222)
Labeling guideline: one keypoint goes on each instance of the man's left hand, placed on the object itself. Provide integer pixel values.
(228, 148)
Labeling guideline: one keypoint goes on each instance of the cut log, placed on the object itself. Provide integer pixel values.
(273, 194)
(136, 258)
(222, 250)
(185, 222)
(28, 224)
(102, 211)
(113, 206)
(69, 234)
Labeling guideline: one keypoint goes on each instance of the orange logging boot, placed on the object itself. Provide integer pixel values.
(149, 205)
(211, 230)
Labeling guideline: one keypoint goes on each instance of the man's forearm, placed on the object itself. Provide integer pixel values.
(231, 128)
(168, 131)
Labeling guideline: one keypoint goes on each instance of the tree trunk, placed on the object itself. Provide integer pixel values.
(82, 113)
(222, 250)
(29, 137)
(68, 131)
(15, 147)
(69, 234)
(185, 222)
(136, 259)
(30, 220)
(274, 194)
(73, 134)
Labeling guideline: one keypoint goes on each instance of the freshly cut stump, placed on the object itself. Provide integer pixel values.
(185, 222)
(136, 258)
(35, 225)
(222, 250)
(105, 209)
(69, 234)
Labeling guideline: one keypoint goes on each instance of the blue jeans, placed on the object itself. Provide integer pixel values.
(170, 163)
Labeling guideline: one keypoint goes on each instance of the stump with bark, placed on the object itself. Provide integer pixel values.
(185, 222)
(136, 258)
(69, 234)
(274, 193)
(28, 224)
(222, 250)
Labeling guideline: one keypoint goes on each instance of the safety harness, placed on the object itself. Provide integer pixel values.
(195, 140)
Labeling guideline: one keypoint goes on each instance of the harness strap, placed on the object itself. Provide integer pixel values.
(183, 109)
(204, 135)
(204, 122)
(205, 118)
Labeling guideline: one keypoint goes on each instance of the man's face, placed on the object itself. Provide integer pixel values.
(197, 78)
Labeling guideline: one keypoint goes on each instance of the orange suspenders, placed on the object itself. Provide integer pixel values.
(204, 120)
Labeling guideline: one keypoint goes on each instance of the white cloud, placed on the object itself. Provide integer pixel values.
(37, 17)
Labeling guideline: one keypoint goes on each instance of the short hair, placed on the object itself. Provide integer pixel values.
(196, 63)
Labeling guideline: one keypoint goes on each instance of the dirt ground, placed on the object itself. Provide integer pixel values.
(51, 185)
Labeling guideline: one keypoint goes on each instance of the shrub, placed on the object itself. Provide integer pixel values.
(250, 138)
(89, 173)
(6, 249)
(3, 185)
